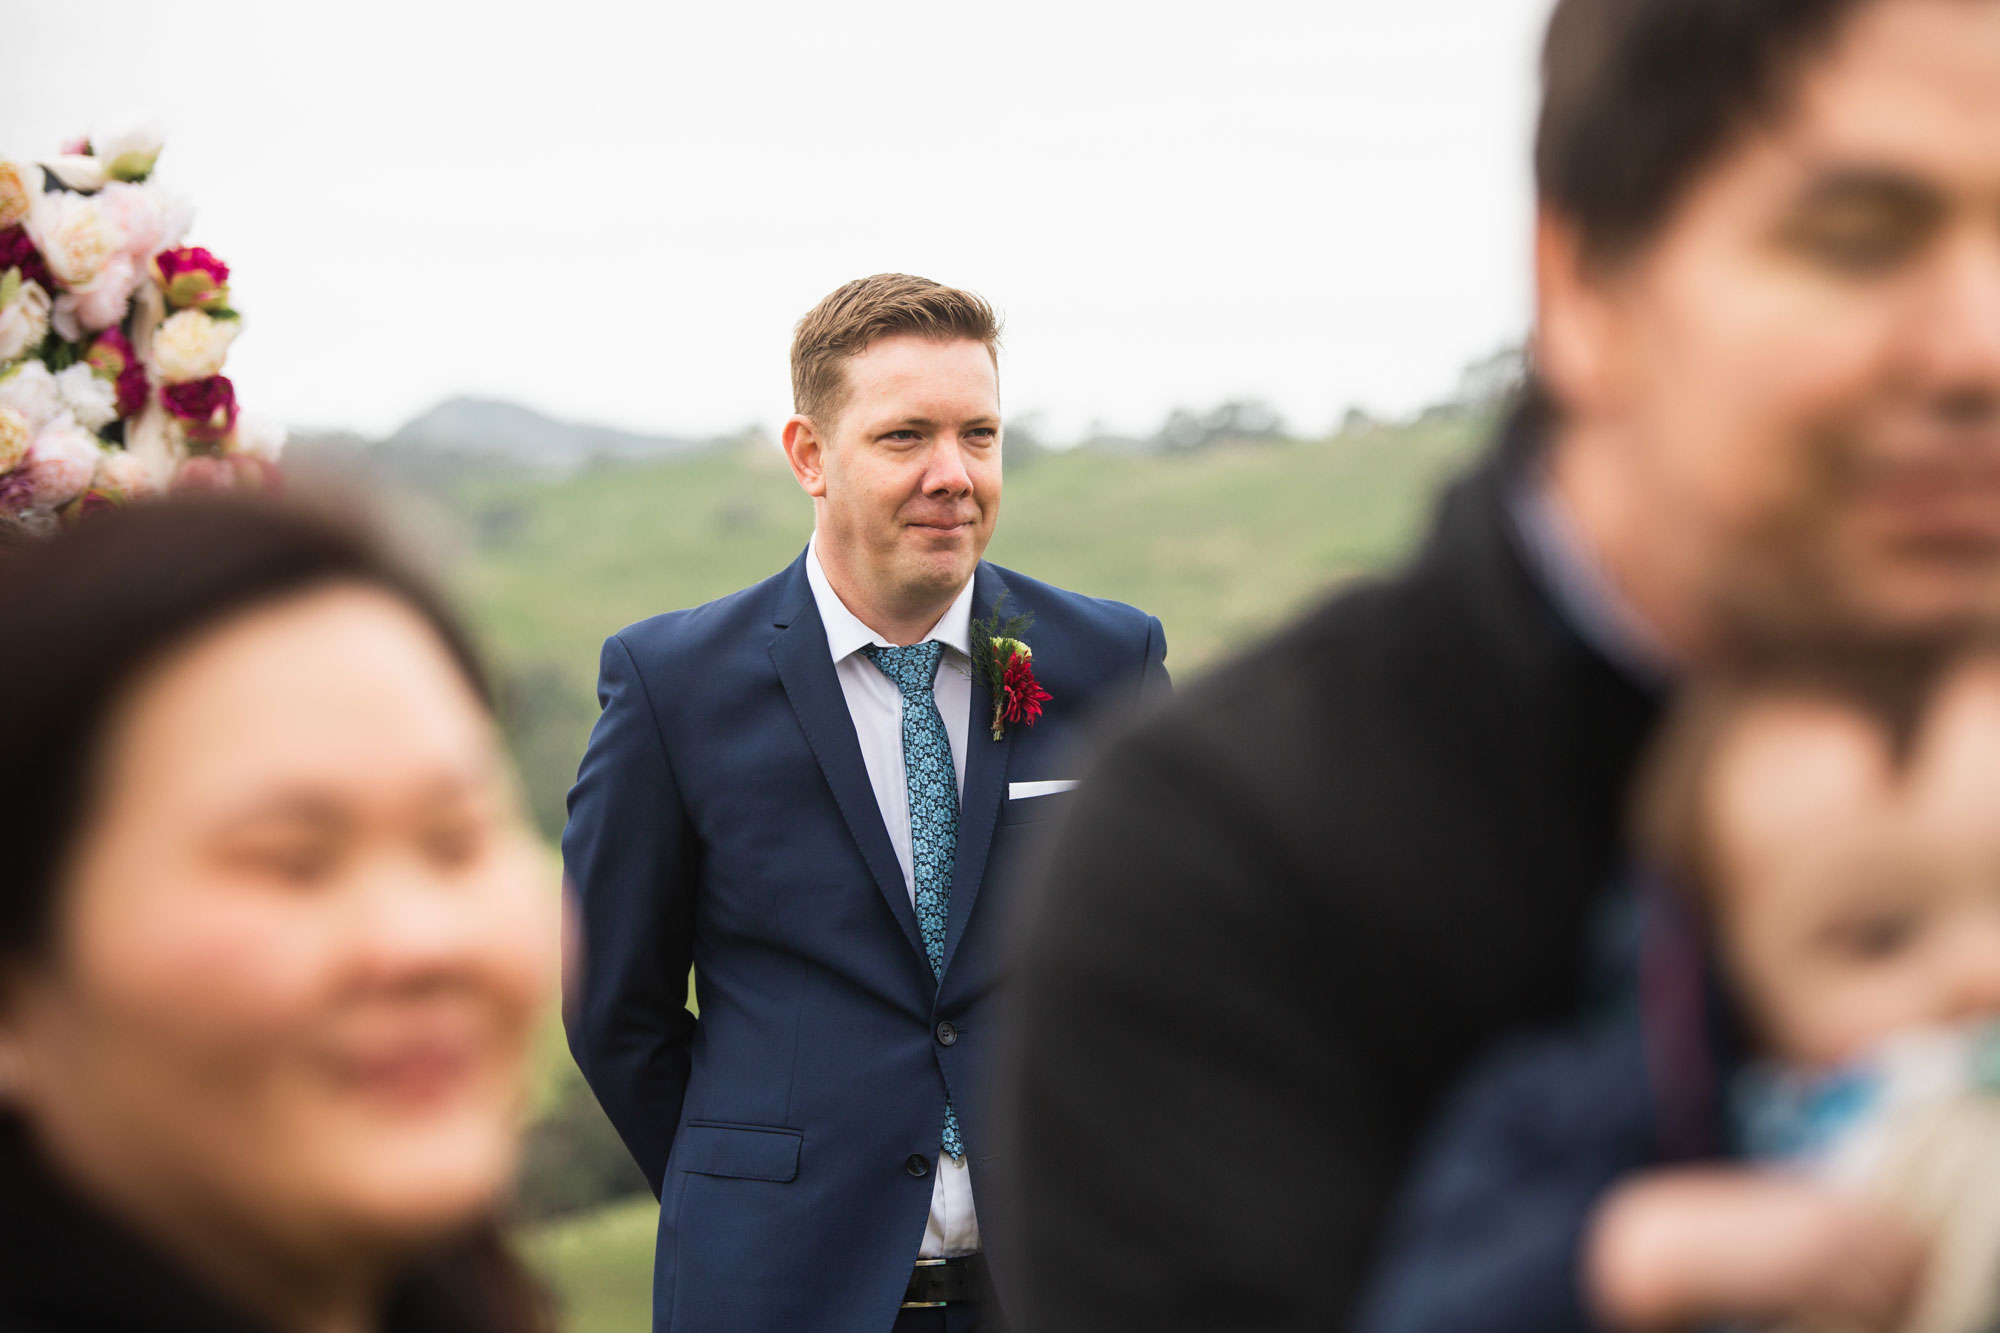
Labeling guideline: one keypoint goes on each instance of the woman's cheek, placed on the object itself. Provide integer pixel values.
(224, 962)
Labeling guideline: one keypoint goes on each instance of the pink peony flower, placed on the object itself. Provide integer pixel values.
(257, 475)
(123, 475)
(140, 216)
(18, 251)
(191, 276)
(204, 472)
(206, 408)
(99, 305)
(63, 462)
(77, 147)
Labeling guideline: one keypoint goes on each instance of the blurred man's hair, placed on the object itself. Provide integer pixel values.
(867, 310)
(1638, 96)
(1889, 686)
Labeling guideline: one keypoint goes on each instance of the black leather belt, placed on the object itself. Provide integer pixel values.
(936, 1282)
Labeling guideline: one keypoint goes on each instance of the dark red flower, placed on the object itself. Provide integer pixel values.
(1023, 695)
(207, 408)
(132, 389)
(17, 251)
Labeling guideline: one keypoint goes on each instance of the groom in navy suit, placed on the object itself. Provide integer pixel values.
(811, 791)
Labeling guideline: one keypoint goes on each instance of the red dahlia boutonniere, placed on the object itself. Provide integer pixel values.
(1005, 665)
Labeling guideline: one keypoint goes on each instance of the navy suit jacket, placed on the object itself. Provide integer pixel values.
(723, 817)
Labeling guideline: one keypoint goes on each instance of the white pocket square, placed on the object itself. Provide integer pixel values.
(1021, 791)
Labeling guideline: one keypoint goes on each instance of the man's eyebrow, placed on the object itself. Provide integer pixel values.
(1833, 187)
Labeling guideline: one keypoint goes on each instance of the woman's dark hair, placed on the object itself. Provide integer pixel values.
(1639, 95)
(86, 611)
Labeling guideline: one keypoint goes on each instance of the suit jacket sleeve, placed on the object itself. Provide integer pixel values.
(1488, 1233)
(628, 857)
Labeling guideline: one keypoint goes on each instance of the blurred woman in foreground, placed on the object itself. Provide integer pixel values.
(272, 937)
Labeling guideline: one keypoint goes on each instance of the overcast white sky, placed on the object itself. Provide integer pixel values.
(616, 211)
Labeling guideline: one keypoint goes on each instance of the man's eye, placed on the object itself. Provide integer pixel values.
(455, 845)
(1859, 243)
(298, 865)
(1871, 939)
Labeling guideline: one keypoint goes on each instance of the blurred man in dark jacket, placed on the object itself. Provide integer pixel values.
(1287, 913)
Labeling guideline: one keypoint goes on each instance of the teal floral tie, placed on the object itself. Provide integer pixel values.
(933, 787)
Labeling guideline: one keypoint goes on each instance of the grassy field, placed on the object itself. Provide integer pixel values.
(1223, 545)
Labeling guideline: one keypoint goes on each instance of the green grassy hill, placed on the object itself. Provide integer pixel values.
(1222, 544)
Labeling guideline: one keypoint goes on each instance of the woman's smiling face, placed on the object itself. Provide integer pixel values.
(301, 942)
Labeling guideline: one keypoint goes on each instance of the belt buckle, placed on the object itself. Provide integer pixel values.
(926, 1305)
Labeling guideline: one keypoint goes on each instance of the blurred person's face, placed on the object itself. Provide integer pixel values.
(1859, 897)
(906, 479)
(301, 945)
(1800, 376)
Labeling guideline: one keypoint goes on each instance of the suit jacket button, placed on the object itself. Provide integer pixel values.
(918, 1165)
(947, 1035)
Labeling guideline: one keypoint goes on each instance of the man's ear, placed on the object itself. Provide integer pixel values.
(1572, 317)
(806, 452)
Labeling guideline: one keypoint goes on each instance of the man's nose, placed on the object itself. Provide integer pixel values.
(947, 473)
(1959, 338)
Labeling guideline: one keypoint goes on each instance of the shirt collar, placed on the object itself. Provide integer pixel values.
(1577, 582)
(847, 635)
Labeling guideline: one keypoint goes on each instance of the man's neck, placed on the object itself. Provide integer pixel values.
(1653, 569)
(900, 623)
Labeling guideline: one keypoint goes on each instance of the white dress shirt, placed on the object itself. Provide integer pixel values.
(876, 705)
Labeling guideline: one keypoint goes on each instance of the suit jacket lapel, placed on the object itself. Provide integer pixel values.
(805, 666)
(985, 783)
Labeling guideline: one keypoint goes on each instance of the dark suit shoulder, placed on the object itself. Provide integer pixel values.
(1116, 623)
(700, 629)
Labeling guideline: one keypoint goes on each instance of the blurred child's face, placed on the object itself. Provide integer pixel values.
(1858, 897)
(302, 946)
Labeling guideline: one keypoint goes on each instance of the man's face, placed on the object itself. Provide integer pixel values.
(1803, 370)
(907, 476)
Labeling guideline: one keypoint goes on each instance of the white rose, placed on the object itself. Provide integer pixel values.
(128, 155)
(99, 305)
(30, 390)
(88, 396)
(73, 234)
(124, 474)
(192, 345)
(24, 322)
(15, 437)
(20, 186)
(256, 436)
(64, 461)
(78, 171)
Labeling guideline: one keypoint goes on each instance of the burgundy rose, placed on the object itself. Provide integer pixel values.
(191, 276)
(206, 408)
(17, 251)
(133, 387)
(110, 352)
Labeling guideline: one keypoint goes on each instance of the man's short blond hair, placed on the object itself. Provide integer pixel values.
(867, 310)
